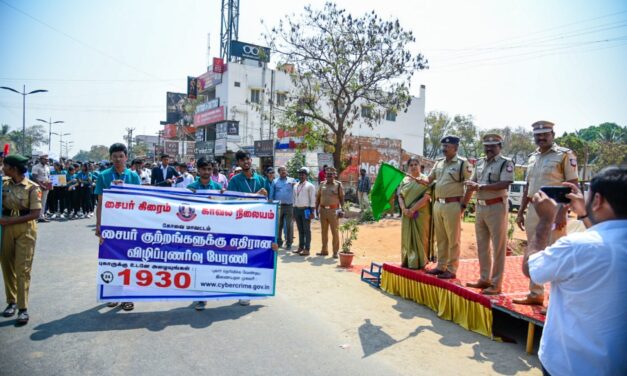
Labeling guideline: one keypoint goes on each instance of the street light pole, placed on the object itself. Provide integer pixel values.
(60, 134)
(24, 94)
(50, 122)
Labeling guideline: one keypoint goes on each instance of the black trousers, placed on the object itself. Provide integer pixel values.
(304, 228)
(85, 199)
(58, 201)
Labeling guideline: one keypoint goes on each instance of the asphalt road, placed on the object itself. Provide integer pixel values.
(71, 334)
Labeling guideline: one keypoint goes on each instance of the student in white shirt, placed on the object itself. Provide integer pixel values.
(185, 178)
(304, 205)
(585, 332)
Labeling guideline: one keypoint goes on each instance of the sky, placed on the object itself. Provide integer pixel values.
(107, 65)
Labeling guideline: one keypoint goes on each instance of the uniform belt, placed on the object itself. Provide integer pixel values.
(491, 201)
(330, 206)
(286, 204)
(7, 213)
(446, 200)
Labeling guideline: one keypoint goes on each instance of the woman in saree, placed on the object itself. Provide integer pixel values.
(415, 202)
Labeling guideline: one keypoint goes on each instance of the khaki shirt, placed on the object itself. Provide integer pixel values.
(330, 194)
(20, 196)
(552, 168)
(450, 176)
(490, 172)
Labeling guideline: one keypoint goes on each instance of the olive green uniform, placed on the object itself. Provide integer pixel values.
(491, 220)
(330, 197)
(551, 168)
(450, 177)
(18, 241)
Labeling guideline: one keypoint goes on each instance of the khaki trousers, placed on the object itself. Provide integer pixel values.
(491, 225)
(328, 218)
(531, 222)
(18, 249)
(447, 225)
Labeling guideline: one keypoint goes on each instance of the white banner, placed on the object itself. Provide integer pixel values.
(172, 244)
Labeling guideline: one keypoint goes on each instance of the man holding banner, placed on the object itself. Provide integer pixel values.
(116, 175)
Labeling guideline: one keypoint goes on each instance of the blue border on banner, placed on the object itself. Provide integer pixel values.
(180, 297)
(186, 192)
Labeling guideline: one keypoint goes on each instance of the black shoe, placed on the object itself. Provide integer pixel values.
(127, 306)
(10, 310)
(112, 304)
(22, 317)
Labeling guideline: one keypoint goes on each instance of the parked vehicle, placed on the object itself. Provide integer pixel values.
(515, 194)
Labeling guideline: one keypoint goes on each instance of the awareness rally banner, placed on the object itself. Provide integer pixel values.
(173, 244)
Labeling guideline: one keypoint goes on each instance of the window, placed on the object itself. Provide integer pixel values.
(280, 99)
(255, 95)
(390, 115)
(236, 84)
(366, 112)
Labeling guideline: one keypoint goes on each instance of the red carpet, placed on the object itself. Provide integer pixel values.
(515, 285)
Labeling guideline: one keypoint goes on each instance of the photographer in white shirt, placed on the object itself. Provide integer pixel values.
(585, 332)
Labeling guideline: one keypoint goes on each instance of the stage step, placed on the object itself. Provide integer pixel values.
(372, 276)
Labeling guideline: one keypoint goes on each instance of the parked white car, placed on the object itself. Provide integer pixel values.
(515, 194)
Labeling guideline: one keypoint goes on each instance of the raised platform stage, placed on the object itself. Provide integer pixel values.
(453, 301)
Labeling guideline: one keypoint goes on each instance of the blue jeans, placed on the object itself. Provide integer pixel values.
(286, 226)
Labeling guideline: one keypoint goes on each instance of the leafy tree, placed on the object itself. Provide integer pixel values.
(295, 164)
(437, 124)
(96, 153)
(465, 128)
(611, 153)
(346, 68)
(608, 132)
(35, 136)
(517, 143)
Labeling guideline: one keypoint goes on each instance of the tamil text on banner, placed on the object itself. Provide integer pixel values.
(172, 244)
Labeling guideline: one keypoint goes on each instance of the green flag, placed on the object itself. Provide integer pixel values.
(384, 187)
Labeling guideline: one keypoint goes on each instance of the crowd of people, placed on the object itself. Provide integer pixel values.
(586, 270)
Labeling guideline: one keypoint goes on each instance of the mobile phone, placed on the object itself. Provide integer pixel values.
(557, 193)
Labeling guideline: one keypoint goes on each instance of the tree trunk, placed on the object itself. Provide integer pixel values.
(337, 154)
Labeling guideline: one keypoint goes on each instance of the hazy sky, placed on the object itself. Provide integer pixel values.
(108, 64)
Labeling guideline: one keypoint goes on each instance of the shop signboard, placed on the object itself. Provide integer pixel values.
(264, 148)
(172, 148)
(209, 117)
(209, 105)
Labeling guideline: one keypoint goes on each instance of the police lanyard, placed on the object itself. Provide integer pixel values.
(253, 189)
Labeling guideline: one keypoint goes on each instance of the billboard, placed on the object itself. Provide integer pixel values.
(218, 65)
(209, 117)
(171, 148)
(204, 148)
(209, 105)
(250, 51)
(228, 130)
(192, 87)
(169, 131)
(264, 148)
(175, 108)
(209, 79)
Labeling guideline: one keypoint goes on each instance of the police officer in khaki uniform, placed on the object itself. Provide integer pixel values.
(549, 165)
(329, 202)
(449, 173)
(21, 206)
(491, 178)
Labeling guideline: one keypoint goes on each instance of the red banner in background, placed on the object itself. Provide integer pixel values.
(218, 65)
(209, 117)
(169, 131)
